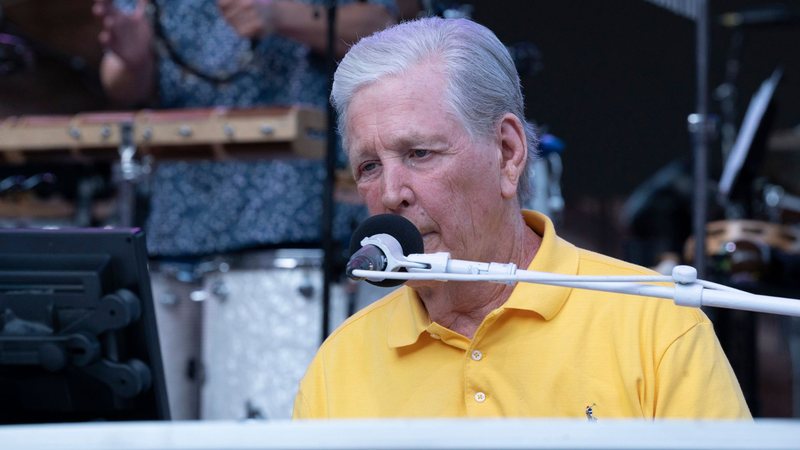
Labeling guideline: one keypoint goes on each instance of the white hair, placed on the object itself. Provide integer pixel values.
(482, 82)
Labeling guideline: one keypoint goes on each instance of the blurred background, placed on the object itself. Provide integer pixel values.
(610, 86)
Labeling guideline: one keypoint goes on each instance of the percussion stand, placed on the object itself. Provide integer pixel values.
(127, 176)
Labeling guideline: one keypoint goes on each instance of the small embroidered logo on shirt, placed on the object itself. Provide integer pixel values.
(590, 413)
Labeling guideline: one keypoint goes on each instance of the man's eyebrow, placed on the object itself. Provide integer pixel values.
(414, 140)
(405, 141)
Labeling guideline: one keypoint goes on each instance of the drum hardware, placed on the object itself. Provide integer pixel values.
(743, 250)
(87, 188)
(778, 199)
(168, 298)
(20, 183)
(305, 260)
(220, 290)
(251, 411)
(192, 273)
(129, 172)
(198, 296)
(306, 289)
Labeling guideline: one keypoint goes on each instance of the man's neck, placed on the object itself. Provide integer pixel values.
(462, 306)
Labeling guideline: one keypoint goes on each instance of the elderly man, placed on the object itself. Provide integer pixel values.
(432, 118)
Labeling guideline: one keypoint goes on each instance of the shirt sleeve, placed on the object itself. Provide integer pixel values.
(696, 381)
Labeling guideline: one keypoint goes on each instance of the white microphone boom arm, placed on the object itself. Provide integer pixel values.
(687, 289)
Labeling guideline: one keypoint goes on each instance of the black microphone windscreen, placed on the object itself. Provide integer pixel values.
(396, 226)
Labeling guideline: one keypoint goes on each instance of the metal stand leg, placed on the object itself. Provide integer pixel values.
(128, 175)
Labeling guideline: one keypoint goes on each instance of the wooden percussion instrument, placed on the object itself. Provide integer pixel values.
(168, 134)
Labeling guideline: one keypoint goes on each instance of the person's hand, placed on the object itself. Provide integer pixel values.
(250, 18)
(129, 36)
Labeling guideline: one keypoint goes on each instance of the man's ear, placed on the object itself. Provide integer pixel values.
(513, 154)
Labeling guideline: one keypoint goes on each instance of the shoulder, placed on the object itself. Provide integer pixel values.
(372, 321)
(596, 262)
(655, 311)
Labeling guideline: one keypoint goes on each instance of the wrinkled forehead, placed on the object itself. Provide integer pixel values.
(400, 113)
(430, 70)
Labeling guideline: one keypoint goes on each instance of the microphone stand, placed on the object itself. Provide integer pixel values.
(328, 206)
(687, 289)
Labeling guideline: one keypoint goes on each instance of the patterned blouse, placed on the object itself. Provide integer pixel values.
(208, 207)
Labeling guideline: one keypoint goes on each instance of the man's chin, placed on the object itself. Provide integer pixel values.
(432, 244)
(417, 284)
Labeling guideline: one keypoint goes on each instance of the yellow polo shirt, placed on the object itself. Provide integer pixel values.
(547, 352)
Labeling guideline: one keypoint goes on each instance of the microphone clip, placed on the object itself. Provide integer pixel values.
(393, 253)
(439, 262)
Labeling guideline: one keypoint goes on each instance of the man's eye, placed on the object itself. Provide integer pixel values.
(420, 153)
(367, 167)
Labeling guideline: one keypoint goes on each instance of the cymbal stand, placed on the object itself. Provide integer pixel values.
(699, 124)
(699, 127)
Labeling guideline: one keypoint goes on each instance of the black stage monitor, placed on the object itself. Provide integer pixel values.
(78, 337)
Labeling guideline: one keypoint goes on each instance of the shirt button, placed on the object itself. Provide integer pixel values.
(480, 397)
(477, 355)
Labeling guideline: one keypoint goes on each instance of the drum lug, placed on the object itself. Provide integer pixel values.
(220, 290)
(168, 298)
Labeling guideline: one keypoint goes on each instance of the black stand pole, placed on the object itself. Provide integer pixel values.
(328, 245)
(699, 128)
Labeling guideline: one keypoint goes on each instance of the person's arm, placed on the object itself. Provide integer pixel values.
(305, 23)
(127, 70)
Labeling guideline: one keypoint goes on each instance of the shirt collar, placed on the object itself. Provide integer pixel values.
(555, 255)
(410, 319)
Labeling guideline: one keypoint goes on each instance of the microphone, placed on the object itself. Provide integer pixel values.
(386, 261)
(393, 232)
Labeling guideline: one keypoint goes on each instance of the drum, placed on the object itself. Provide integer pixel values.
(179, 321)
(261, 328)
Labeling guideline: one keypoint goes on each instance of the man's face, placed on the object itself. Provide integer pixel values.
(411, 156)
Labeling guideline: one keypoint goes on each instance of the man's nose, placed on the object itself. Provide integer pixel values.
(396, 188)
